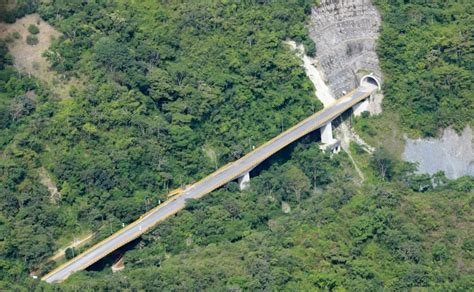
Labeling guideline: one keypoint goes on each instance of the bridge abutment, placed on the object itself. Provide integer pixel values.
(365, 105)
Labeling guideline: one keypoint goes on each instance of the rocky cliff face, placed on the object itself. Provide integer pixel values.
(345, 34)
(452, 153)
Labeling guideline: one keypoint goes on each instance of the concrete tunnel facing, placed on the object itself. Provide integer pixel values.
(371, 79)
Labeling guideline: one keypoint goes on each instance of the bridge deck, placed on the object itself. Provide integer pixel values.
(213, 181)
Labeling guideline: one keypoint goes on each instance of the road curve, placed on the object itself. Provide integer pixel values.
(213, 181)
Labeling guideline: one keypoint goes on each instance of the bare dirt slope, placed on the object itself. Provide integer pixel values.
(25, 55)
(46, 180)
(29, 59)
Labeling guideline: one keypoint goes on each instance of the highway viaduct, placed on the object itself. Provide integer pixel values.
(357, 100)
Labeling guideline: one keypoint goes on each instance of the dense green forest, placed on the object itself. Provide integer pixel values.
(402, 233)
(11, 10)
(174, 90)
(427, 57)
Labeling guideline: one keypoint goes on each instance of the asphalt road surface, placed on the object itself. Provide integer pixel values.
(213, 181)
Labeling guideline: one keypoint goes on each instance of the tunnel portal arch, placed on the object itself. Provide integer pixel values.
(371, 79)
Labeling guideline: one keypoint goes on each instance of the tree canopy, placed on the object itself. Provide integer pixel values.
(173, 90)
(426, 55)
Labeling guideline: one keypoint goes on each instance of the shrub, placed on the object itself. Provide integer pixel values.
(9, 39)
(21, 106)
(16, 35)
(69, 253)
(33, 29)
(383, 163)
(440, 251)
(32, 40)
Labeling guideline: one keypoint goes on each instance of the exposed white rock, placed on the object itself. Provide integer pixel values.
(345, 34)
(323, 93)
(452, 153)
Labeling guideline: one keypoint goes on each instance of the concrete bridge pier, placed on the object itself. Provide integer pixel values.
(327, 139)
(361, 107)
(244, 181)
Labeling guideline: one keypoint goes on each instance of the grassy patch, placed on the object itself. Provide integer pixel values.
(382, 130)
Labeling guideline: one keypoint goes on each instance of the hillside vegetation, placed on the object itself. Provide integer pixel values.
(397, 233)
(425, 49)
(174, 90)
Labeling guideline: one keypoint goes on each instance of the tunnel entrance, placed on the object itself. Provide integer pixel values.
(370, 79)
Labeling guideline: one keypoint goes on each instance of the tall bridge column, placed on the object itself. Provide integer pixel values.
(327, 140)
(326, 134)
(244, 181)
(361, 107)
